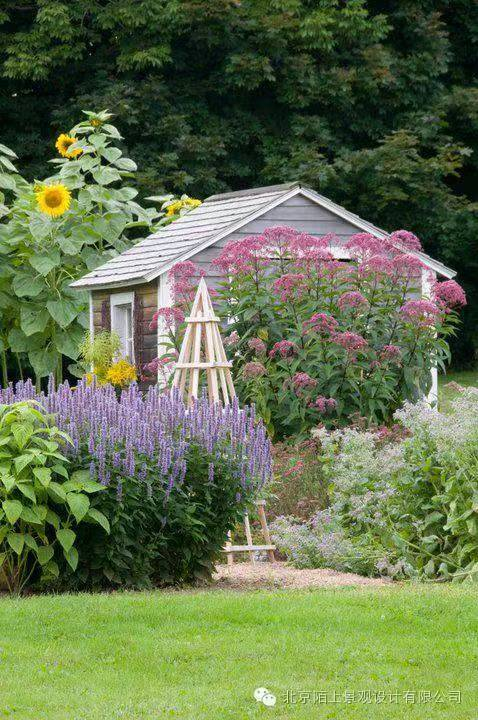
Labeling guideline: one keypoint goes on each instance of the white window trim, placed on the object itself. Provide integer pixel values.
(165, 299)
(123, 298)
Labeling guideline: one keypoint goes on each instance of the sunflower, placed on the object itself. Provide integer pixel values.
(53, 200)
(63, 143)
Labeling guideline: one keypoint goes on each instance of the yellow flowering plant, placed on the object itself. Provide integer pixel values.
(56, 229)
(121, 374)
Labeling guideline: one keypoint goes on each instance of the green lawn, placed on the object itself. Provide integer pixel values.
(200, 655)
(465, 378)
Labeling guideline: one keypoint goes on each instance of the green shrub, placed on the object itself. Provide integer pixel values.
(158, 538)
(40, 503)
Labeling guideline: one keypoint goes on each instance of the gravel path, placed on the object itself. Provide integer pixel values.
(265, 575)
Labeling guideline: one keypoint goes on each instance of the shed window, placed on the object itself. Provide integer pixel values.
(122, 322)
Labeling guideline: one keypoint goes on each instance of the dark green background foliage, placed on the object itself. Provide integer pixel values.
(158, 541)
(374, 103)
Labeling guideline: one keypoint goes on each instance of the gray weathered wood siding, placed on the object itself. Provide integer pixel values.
(298, 212)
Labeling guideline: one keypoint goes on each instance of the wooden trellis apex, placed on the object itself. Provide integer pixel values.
(202, 349)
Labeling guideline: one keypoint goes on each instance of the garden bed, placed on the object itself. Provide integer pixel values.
(246, 576)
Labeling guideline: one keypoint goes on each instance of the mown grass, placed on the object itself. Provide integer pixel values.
(200, 655)
(465, 378)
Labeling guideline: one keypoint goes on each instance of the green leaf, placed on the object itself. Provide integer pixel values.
(16, 541)
(8, 481)
(80, 477)
(27, 285)
(30, 516)
(98, 517)
(43, 362)
(45, 262)
(62, 311)
(105, 175)
(13, 510)
(22, 432)
(66, 538)
(27, 490)
(51, 568)
(79, 505)
(71, 557)
(43, 475)
(19, 342)
(21, 461)
(45, 554)
(60, 470)
(53, 519)
(56, 491)
(7, 182)
(30, 542)
(67, 341)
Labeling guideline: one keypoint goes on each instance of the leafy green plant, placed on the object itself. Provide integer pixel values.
(98, 353)
(56, 230)
(40, 504)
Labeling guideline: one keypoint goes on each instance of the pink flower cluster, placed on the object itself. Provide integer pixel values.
(284, 348)
(423, 312)
(449, 294)
(364, 245)
(320, 323)
(289, 287)
(171, 316)
(406, 239)
(253, 370)
(352, 299)
(303, 381)
(257, 345)
(392, 353)
(350, 341)
(323, 404)
(242, 256)
(232, 339)
(184, 277)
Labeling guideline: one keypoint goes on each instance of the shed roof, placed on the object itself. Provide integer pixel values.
(217, 217)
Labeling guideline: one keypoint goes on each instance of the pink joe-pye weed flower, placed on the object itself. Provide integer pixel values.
(391, 353)
(323, 404)
(253, 370)
(257, 345)
(171, 316)
(449, 294)
(320, 323)
(406, 239)
(303, 381)
(352, 299)
(284, 348)
(350, 341)
(420, 312)
(290, 287)
(365, 245)
(232, 339)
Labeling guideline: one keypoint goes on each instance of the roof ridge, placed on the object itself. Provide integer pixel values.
(267, 189)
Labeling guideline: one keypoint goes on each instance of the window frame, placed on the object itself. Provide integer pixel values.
(118, 300)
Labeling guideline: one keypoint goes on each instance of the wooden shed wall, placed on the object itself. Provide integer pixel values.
(298, 212)
(146, 303)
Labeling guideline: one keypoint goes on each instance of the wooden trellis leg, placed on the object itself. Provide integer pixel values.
(230, 549)
(265, 528)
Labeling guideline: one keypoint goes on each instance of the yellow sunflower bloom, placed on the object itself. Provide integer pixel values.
(63, 143)
(53, 200)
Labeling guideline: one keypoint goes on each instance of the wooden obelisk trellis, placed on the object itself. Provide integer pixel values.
(202, 350)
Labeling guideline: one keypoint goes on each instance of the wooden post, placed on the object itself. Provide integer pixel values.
(202, 349)
(265, 528)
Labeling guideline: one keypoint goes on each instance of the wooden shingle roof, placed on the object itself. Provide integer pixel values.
(217, 217)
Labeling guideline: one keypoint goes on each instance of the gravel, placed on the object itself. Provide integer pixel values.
(266, 575)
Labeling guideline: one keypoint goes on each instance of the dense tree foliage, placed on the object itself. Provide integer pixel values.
(373, 102)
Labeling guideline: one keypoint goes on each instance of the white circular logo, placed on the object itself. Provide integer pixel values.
(263, 695)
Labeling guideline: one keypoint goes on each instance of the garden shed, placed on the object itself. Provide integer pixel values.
(127, 290)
